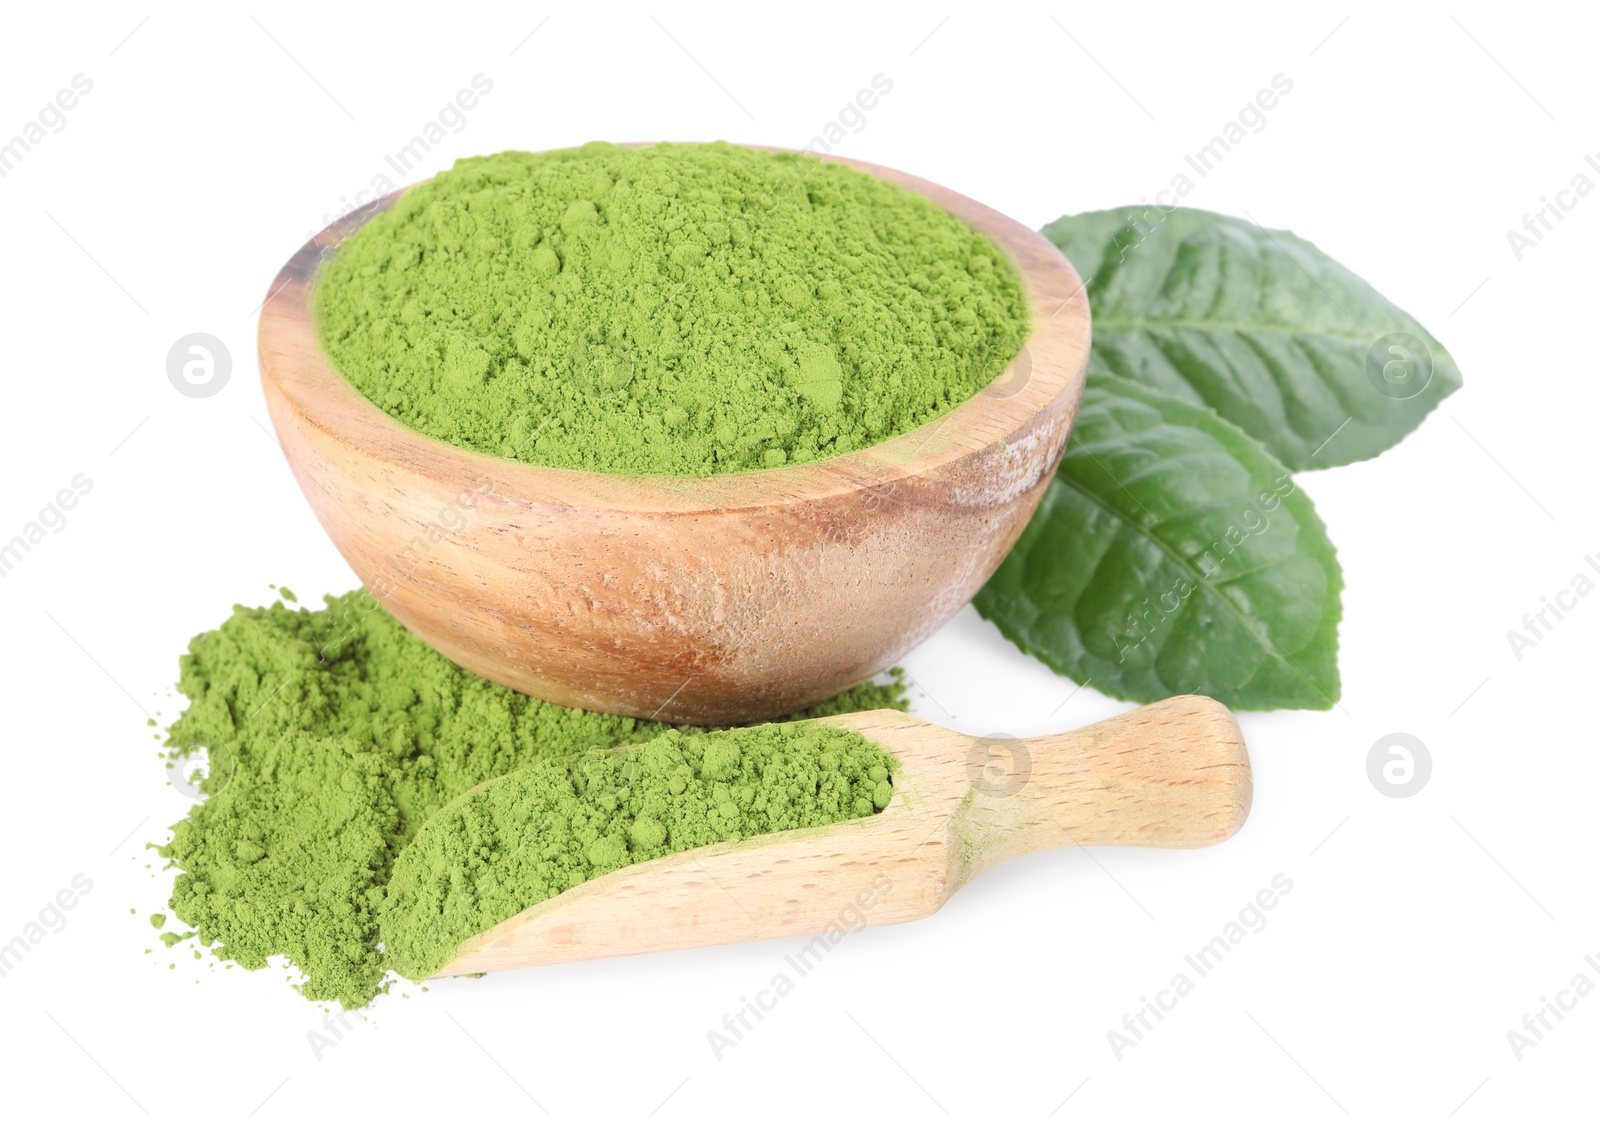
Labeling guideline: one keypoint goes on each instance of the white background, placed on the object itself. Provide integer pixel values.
(1418, 931)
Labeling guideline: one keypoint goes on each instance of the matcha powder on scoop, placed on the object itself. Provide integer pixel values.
(524, 838)
(334, 735)
(666, 310)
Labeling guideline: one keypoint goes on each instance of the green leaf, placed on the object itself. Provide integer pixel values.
(1173, 554)
(1263, 327)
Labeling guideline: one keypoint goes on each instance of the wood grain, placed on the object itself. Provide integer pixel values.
(1173, 774)
(706, 600)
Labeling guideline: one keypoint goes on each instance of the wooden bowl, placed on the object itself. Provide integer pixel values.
(711, 600)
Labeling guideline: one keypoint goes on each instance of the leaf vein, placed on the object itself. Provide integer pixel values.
(1264, 639)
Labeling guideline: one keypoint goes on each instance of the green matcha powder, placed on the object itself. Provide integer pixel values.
(521, 839)
(687, 310)
(677, 309)
(334, 735)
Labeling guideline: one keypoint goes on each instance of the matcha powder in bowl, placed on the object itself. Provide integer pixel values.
(669, 310)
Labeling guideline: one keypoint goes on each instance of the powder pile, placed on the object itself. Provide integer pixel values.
(676, 309)
(526, 837)
(332, 737)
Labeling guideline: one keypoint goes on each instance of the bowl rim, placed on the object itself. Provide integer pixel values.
(1055, 356)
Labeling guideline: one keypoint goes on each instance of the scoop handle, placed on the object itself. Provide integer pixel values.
(1172, 774)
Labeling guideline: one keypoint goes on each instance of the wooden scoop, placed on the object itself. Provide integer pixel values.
(1173, 774)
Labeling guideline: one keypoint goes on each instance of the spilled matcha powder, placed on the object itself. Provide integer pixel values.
(676, 309)
(526, 837)
(334, 735)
